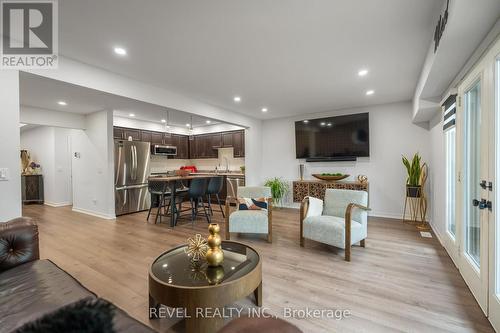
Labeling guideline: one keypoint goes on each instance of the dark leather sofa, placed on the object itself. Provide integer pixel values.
(31, 288)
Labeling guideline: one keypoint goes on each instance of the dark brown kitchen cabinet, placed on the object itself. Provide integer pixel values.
(118, 133)
(239, 143)
(146, 136)
(215, 141)
(168, 139)
(135, 134)
(227, 139)
(156, 138)
(188, 147)
(201, 143)
(181, 142)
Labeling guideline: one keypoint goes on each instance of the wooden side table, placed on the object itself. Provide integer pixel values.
(32, 188)
(177, 282)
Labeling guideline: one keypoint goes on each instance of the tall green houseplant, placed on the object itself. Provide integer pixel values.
(414, 171)
(279, 188)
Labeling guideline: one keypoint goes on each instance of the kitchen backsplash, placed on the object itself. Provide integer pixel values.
(162, 164)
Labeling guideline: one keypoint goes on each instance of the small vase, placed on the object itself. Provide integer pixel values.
(214, 255)
(301, 171)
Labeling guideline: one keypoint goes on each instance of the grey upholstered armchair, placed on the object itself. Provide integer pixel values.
(250, 221)
(340, 220)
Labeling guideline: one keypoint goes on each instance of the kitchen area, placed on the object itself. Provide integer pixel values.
(142, 153)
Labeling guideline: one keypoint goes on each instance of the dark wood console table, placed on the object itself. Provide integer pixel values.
(316, 188)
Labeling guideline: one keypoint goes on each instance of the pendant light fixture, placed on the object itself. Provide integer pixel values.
(191, 137)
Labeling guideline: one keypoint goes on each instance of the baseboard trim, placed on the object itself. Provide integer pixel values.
(92, 213)
(57, 204)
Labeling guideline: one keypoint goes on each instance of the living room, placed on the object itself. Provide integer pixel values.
(251, 167)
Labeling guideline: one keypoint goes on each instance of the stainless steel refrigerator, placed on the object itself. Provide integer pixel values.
(131, 176)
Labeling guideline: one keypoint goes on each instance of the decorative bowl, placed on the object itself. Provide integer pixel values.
(329, 178)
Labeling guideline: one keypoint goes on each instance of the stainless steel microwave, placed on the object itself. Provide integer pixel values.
(164, 150)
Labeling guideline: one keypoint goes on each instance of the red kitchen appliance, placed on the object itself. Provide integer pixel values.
(190, 168)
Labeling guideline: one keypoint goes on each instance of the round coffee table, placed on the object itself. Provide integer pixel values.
(202, 291)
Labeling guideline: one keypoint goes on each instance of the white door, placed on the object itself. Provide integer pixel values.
(473, 127)
(494, 284)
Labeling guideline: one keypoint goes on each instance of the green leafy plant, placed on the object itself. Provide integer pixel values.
(414, 170)
(279, 188)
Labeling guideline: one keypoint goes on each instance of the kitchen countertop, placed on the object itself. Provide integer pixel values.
(235, 174)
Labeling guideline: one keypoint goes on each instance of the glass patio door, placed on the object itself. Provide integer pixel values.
(474, 214)
(494, 283)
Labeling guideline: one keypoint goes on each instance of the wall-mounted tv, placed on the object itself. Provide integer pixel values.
(341, 138)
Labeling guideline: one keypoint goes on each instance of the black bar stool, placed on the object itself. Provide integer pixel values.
(160, 192)
(195, 193)
(215, 187)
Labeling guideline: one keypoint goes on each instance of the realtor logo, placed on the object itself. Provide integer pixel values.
(29, 34)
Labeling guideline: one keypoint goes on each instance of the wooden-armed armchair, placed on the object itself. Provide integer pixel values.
(340, 220)
(250, 221)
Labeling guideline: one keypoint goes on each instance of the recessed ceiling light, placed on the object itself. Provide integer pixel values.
(264, 109)
(167, 126)
(362, 72)
(62, 103)
(131, 115)
(329, 124)
(370, 92)
(187, 125)
(323, 124)
(237, 99)
(208, 121)
(306, 121)
(120, 51)
(163, 121)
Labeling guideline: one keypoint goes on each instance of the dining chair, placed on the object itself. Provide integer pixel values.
(215, 185)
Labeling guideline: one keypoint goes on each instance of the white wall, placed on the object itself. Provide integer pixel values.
(10, 189)
(93, 171)
(37, 116)
(50, 147)
(437, 179)
(391, 134)
(147, 125)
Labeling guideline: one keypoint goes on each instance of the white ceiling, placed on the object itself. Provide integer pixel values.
(292, 57)
(41, 92)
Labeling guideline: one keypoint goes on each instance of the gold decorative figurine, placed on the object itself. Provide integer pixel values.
(196, 248)
(214, 256)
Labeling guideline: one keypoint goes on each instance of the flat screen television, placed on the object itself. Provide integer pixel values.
(334, 138)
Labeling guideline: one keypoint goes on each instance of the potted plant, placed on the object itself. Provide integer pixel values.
(279, 189)
(414, 170)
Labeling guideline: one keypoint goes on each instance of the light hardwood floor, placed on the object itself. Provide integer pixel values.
(399, 283)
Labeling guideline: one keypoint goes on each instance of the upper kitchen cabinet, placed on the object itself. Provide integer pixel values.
(118, 133)
(227, 139)
(182, 144)
(168, 139)
(239, 143)
(135, 134)
(125, 133)
(156, 138)
(215, 141)
(195, 146)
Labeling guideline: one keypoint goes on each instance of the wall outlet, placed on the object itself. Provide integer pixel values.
(4, 174)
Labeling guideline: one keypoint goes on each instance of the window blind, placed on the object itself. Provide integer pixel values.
(450, 110)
